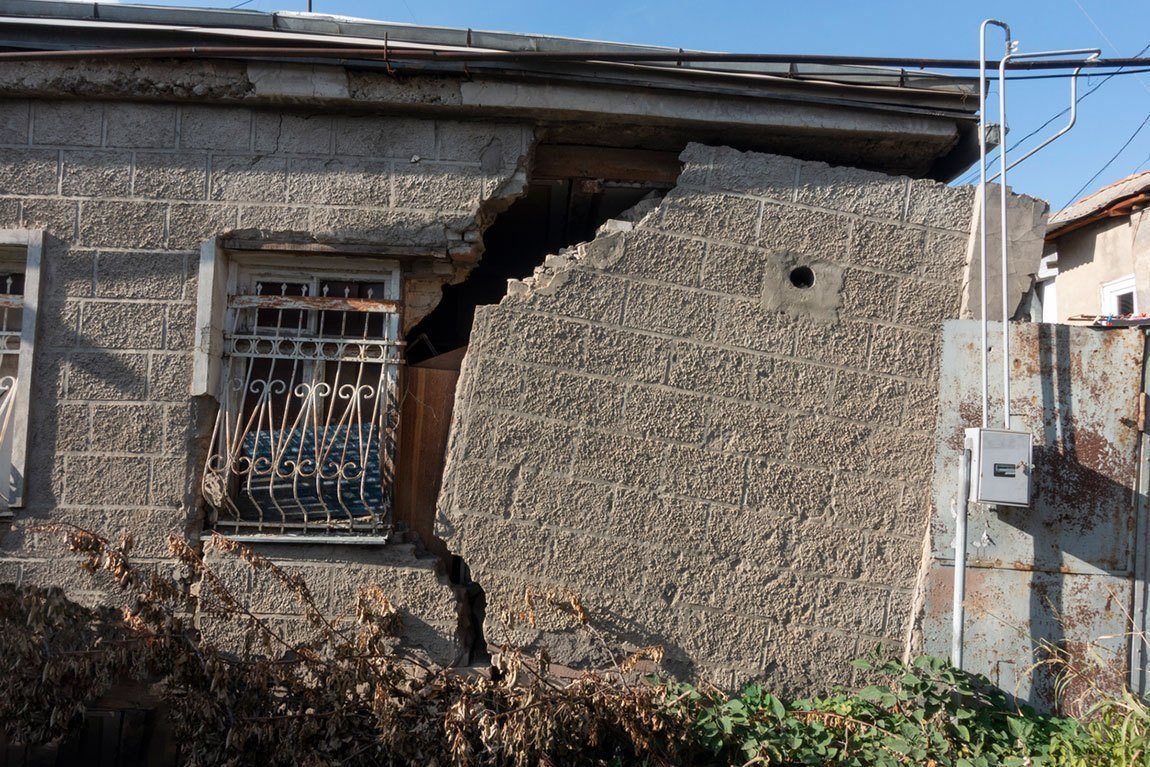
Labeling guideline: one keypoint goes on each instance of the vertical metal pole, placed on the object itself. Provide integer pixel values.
(982, 125)
(958, 611)
(1004, 235)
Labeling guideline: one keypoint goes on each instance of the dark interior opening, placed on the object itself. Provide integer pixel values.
(802, 277)
(554, 213)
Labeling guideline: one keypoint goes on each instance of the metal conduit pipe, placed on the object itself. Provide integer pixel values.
(958, 610)
(398, 52)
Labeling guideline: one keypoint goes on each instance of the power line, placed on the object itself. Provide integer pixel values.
(1105, 36)
(970, 175)
(1122, 149)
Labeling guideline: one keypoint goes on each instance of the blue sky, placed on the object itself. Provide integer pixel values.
(917, 28)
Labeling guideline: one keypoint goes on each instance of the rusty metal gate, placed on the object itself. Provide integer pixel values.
(1068, 572)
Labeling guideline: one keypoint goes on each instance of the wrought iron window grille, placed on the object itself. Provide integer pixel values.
(304, 440)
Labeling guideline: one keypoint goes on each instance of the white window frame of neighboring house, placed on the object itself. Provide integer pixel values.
(1047, 278)
(20, 250)
(1110, 292)
(227, 274)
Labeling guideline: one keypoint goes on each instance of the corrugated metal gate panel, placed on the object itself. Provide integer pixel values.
(1062, 570)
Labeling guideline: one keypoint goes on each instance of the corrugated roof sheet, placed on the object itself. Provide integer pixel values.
(1100, 200)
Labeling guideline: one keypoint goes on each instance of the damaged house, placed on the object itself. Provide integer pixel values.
(664, 335)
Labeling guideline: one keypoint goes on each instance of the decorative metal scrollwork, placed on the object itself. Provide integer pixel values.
(305, 436)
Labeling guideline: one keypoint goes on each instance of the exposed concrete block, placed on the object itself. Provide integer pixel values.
(90, 173)
(755, 174)
(115, 325)
(112, 480)
(339, 181)
(731, 269)
(399, 138)
(281, 133)
(903, 352)
(720, 372)
(122, 224)
(212, 127)
(864, 193)
(669, 310)
(57, 217)
(189, 224)
(140, 126)
(276, 218)
(140, 275)
(942, 206)
(131, 428)
(628, 355)
(107, 376)
(62, 319)
(169, 377)
(432, 186)
(15, 121)
(716, 216)
(500, 145)
(563, 502)
(28, 171)
(10, 213)
(372, 225)
(665, 414)
(170, 176)
(870, 295)
(71, 123)
(171, 483)
(253, 178)
(812, 233)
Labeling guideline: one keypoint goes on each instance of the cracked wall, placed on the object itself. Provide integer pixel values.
(715, 459)
(126, 192)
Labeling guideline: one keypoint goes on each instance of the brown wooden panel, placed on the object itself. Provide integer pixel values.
(561, 161)
(425, 423)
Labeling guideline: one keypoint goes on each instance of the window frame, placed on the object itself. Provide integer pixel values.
(222, 273)
(1110, 292)
(32, 242)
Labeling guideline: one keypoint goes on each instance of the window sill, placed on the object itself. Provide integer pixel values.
(315, 540)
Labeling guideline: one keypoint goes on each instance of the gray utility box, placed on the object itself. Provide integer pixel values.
(1000, 466)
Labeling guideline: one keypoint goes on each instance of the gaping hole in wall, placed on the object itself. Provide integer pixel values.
(573, 190)
(553, 214)
(802, 277)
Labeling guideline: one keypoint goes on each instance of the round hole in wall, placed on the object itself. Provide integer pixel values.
(802, 277)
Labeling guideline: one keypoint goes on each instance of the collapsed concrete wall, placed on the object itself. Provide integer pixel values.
(126, 192)
(716, 428)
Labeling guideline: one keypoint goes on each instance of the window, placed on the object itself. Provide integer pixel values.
(1118, 296)
(20, 252)
(307, 365)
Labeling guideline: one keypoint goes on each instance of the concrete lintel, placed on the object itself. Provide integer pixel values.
(871, 135)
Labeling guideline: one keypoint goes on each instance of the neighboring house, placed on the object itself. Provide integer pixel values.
(1097, 256)
(246, 283)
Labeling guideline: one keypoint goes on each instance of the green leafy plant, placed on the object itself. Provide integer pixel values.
(353, 696)
(922, 713)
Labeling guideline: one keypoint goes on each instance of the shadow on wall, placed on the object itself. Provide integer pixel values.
(111, 437)
(1059, 573)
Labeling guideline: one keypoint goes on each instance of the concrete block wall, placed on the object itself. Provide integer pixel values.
(715, 460)
(126, 192)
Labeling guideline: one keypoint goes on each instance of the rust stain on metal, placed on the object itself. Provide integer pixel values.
(1057, 574)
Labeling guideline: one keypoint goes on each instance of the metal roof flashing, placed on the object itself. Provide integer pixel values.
(910, 122)
(350, 31)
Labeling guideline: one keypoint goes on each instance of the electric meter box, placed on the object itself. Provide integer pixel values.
(1000, 466)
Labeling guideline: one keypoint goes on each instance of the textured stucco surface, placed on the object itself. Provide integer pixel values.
(715, 460)
(126, 193)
